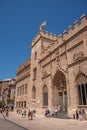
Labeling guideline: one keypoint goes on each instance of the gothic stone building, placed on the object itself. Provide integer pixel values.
(56, 72)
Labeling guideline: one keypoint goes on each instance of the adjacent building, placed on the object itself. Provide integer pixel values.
(56, 72)
(7, 92)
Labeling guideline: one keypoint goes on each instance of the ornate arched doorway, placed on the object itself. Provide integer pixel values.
(60, 90)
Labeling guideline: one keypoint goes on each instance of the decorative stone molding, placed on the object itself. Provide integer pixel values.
(81, 78)
(44, 73)
(77, 56)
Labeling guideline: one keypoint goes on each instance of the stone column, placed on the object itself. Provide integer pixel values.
(63, 100)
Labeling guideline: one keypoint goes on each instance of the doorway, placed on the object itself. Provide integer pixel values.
(60, 90)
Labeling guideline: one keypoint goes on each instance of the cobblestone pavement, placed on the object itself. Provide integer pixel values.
(42, 123)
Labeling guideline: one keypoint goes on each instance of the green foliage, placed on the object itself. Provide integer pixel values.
(1, 104)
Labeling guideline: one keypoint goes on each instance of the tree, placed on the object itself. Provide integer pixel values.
(1, 104)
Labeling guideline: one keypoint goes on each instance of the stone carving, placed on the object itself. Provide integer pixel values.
(77, 56)
(44, 73)
(81, 78)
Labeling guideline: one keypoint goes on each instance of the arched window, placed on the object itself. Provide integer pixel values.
(35, 56)
(18, 91)
(24, 103)
(34, 73)
(81, 80)
(45, 96)
(19, 104)
(25, 88)
(33, 92)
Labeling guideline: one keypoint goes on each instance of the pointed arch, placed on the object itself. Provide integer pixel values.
(59, 79)
(81, 78)
(60, 90)
(81, 81)
(45, 89)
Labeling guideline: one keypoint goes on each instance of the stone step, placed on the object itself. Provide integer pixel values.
(62, 115)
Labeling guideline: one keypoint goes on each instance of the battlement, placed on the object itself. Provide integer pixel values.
(66, 35)
(45, 34)
(24, 65)
(78, 25)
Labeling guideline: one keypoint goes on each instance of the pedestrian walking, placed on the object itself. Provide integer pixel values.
(7, 112)
(29, 114)
(83, 114)
(34, 112)
(24, 113)
(80, 115)
(77, 115)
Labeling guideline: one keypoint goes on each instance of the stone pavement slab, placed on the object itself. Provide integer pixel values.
(42, 123)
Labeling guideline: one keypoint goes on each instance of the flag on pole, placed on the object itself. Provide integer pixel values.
(42, 25)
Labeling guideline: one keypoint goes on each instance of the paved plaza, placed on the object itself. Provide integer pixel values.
(7, 125)
(42, 123)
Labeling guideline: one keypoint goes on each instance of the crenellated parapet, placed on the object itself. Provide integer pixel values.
(36, 38)
(57, 40)
(66, 35)
(83, 18)
(46, 35)
(24, 66)
(78, 25)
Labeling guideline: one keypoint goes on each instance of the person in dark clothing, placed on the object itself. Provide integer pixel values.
(77, 115)
(47, 112)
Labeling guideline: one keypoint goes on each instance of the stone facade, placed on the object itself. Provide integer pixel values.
(7, 92)
(56, 72)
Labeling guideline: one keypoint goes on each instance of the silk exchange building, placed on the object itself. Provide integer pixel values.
(56, 72)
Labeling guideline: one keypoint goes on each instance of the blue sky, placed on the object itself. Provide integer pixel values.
(20, 21)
